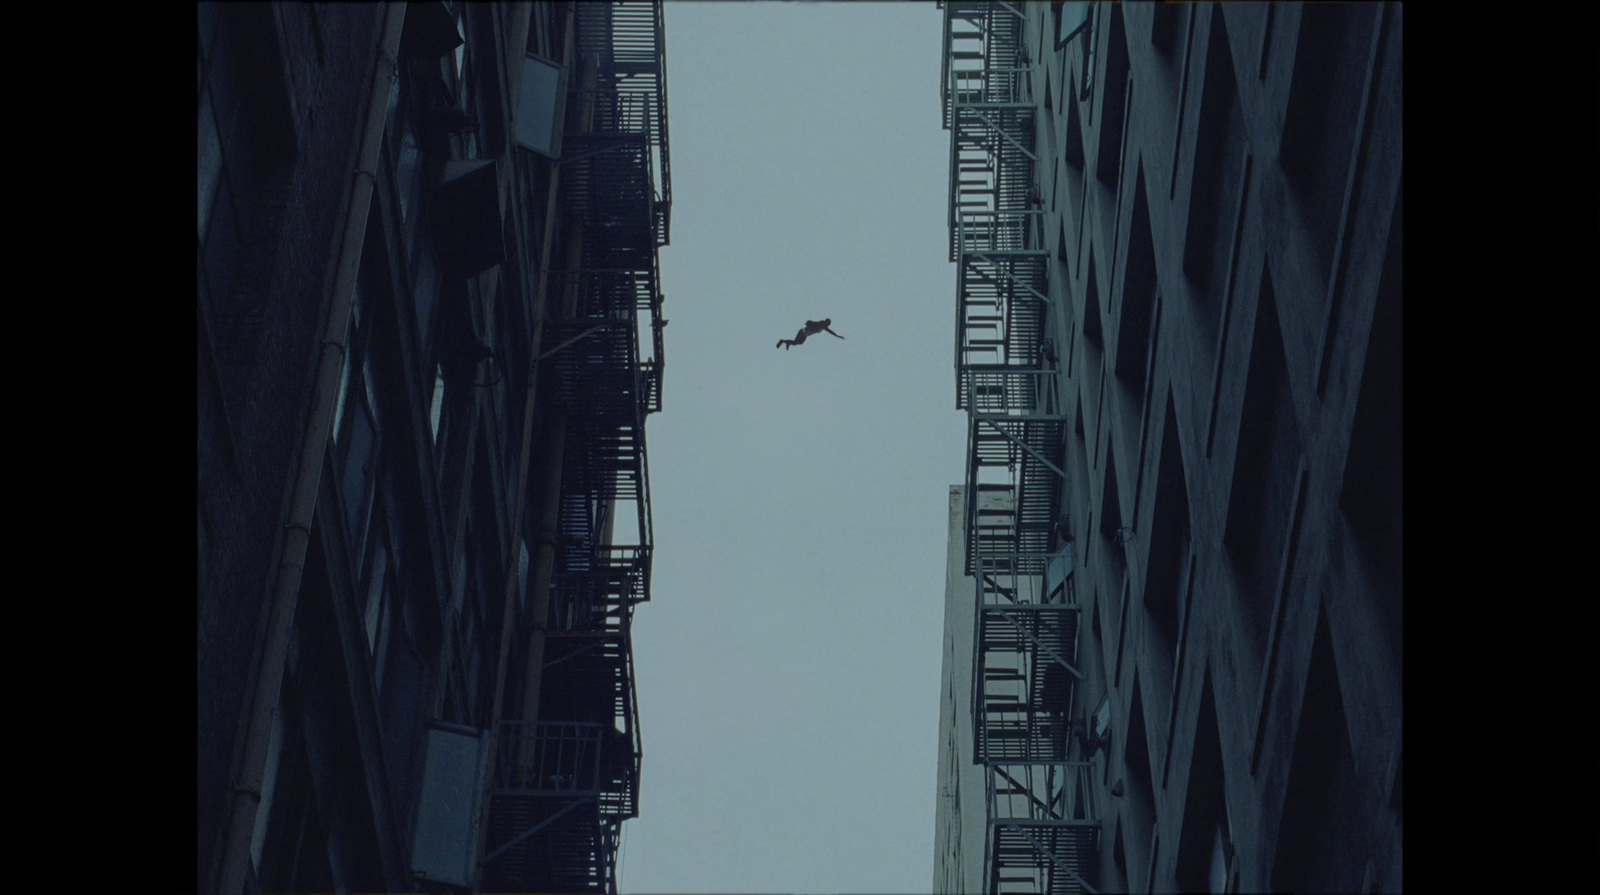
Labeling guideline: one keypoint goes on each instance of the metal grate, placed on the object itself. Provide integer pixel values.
(628, 41)
(1018, 457)
(1043, 829)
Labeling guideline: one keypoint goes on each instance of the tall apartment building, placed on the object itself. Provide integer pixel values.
(429, 335)
(1178, 237)
(959, 818)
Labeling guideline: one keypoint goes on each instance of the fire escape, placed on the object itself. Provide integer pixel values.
(1042, 828)
(564, 784)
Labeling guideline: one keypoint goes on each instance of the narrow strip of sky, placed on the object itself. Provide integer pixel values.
(788, 664)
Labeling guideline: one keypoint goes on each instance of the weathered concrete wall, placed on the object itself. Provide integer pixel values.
(252, 401)
(1257, 177)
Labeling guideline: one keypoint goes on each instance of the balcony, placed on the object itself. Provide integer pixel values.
(553, 824)
(1000, 311)
(628, 42)
(988, 110)
(1017, 458)
(1043, 830)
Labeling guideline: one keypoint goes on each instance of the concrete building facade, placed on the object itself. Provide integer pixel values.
(428, 339)
(960, 818)
(1179, 317)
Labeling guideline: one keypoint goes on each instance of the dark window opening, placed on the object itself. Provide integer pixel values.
(401, 705)
(1112, 535)
(1216, 187)
(1119, 859)
(1205, 845)
(1091, 308)
(1371, 493)
(1094, 623)
(1139, 805)
(1134, 331)
(1164, 26)
(1113, 100)
(332, 743)
(1169, 548)
(1320, 837)
(1138, 293)
(1072, 152)
(1319, 129)
(1265, 471)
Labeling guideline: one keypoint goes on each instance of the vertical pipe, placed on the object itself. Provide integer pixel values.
(289, 562)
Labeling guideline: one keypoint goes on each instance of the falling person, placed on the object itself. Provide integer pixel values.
(811, 328)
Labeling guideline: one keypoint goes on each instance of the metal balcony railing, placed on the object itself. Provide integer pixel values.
(1004, 387)
(1018, 456)
(1025, 655)
(601, 598)
(589, 679)
(988, 110)
(553, 823)
(628, 42)
(980, 36)
(605, 499)
(1043, 829)
(998, 233)
(1001, 306)
(607, 184)
(547, 759)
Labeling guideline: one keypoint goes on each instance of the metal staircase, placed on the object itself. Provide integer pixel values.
(549, 830)
(1042, 829)
(1043, 832)
(572, 777)
(1001, 300)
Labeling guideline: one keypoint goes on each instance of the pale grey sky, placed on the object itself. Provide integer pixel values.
(788, 663)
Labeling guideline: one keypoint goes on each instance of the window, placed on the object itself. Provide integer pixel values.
(1205, 842)
(408, 171)
(1322, 840)
(522, 573)
(436, 411)
(338, 408)
(427, 289)
(218, 220)
(353, 353)
(1266, 459)
(377, 593)
(380, 621)
(360, 459)
(210, 159)
(269, 786)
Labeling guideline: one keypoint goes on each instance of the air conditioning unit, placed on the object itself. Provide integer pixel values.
(541, 106)
(444, 845)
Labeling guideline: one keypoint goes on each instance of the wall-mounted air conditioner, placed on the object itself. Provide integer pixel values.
(444, 844)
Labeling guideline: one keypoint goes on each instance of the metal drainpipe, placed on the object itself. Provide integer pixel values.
(289, 562)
